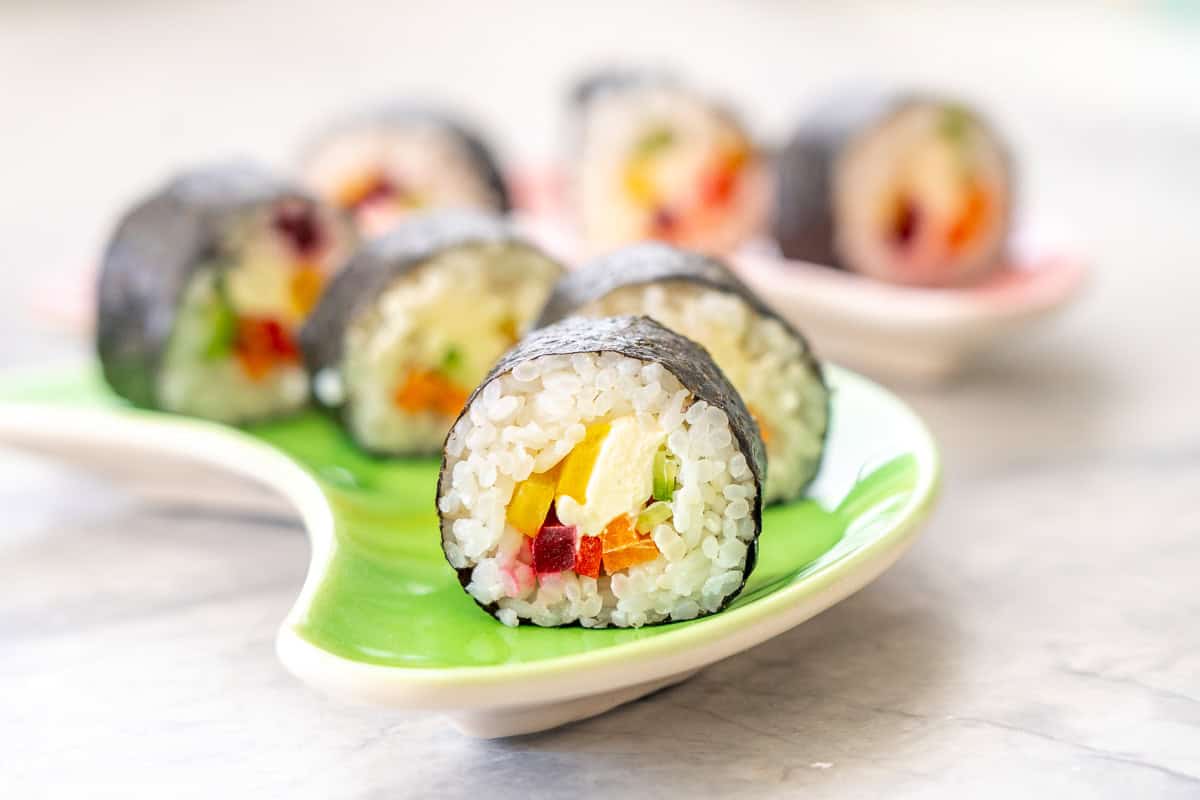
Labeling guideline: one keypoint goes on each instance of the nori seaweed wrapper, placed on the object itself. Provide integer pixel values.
(157, 247)
(401, 114)
(644, 339)
(653, 262)
(646, 263)
(384, 260)
(802, 221)
(597, 83)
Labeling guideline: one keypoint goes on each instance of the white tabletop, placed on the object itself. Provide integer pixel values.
(1043, 638)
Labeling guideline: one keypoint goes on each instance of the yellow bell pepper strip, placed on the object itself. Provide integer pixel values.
(531, 502)
(304, 288)
(577, 466)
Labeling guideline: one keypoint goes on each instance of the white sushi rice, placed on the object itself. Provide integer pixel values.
(190, 381)
(526, 421)
(767, 366)
(615, 122)
(463, 298)
(257, 266)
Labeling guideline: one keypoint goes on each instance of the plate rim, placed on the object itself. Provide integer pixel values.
(1043, 283)
(473, 687)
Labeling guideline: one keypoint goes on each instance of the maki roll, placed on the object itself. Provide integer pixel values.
(766, 359)
(605, 473)
(383, 165)
(203, 287)
(657, 160)
(415, 320)
(906, 188)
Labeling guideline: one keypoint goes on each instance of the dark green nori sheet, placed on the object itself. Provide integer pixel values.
(802, 221)
(399, 115)
(157, 247)
(644, 339)
(381, 261)
(653, 262)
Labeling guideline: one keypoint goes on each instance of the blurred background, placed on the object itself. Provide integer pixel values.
(100, 100)
(103, 99)
(1100, 100)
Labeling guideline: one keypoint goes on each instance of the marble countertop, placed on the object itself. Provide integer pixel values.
(1042, 638)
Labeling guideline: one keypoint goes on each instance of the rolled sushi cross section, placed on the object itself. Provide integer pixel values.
(766, 359)
(659, 161)
(416, 320)
(906, 189)
(604, 474)
(202, 290)
(384, 165)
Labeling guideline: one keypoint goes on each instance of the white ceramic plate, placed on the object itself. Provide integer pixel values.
(912, 334)
(381, 618)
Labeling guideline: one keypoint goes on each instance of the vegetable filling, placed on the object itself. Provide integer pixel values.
(613, 459)
(266, 291)
(939, 201)
(676, 201)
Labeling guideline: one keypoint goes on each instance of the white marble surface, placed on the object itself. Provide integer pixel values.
(1043, 639)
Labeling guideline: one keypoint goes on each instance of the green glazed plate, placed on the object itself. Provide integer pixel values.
(381, 617)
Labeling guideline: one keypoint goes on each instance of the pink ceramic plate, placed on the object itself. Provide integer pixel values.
(912, 333)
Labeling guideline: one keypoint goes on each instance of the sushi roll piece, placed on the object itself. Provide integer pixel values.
(415, 321)
(203, 287)
(904, 188)
(383, 165)
(766, 359)
(658, 160)
(605, 473)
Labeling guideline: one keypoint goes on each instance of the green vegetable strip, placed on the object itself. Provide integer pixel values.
(453, 358)
(665, 471)
(654, 514)
(955, 123)
(655, 140)
(222, 322)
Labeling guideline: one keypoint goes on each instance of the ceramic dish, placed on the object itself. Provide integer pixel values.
(381, 617)
(912, 333)
(900, 332)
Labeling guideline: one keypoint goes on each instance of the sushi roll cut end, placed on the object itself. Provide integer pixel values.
(605, 474)
(203, 289)
(415, 321)
(918, 192)
(766, 359)
(660, 162)
(380, 168)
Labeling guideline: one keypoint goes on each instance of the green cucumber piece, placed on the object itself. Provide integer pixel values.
(653, 514)
(955, 123)
(221, 323)
(452, 360)
(665, 472)
(655, 140)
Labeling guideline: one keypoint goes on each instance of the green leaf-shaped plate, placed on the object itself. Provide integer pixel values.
(381, 616)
